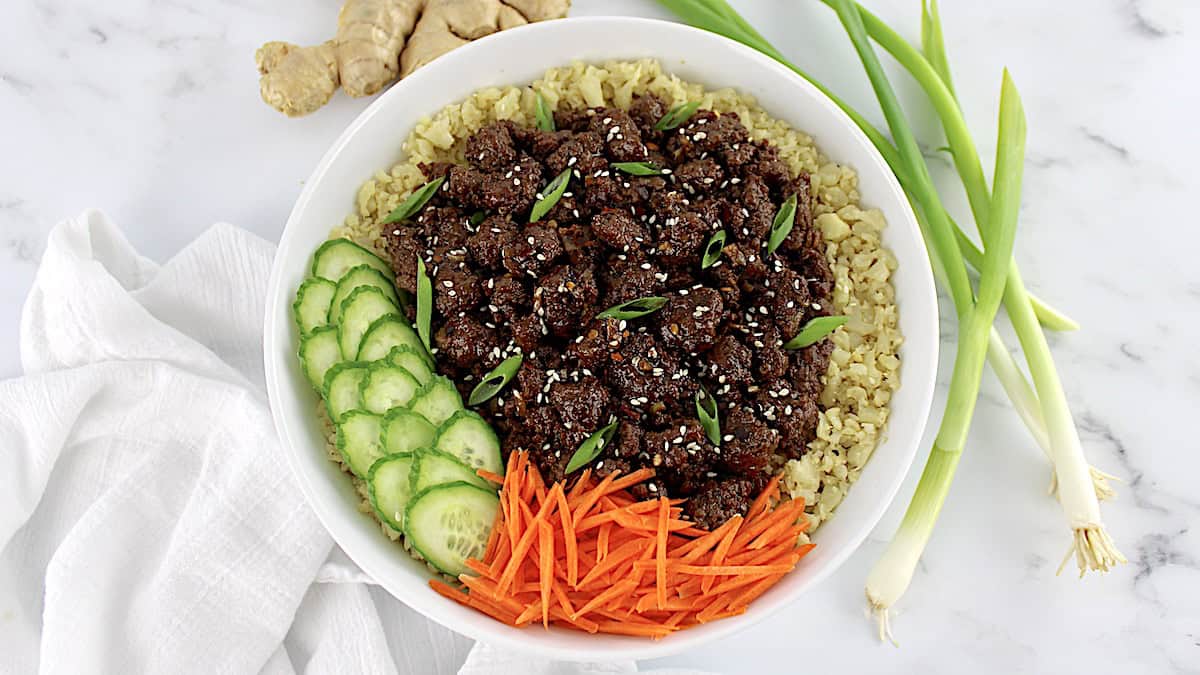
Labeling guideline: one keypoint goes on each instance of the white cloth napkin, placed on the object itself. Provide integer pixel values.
(148, 520)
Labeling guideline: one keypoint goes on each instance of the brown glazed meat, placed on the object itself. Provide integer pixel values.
(504, 286)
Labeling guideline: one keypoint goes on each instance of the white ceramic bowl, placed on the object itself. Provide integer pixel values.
(517, 57)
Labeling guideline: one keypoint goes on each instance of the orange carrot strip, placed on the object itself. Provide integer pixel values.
(718, 557)
(546, 564)
(582, 484)
(763, 500)
(522, 548)
(502, 556)
(478, 567)
(447, 591)
(750, 594)
(621, 628)
(660, 567)
(600, 599)
(570, 542)
(489, 476)
(773, 534)
(588, 499)
(629, 480)
(494, 535)
(602, 541)
(625, 552)
(716, 570)
(695, 548)
(760, 524)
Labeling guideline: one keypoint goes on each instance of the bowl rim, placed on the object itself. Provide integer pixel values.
(920, 384)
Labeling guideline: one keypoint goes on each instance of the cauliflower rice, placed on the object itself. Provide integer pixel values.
(864, 367)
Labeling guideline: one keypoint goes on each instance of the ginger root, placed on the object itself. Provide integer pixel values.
(378, 41)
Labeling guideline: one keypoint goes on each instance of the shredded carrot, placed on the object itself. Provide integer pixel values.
(588, 556)
(489, 476)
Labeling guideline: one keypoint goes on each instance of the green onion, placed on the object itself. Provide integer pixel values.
(781, 227)
(712, 249)
(709, 416)
(499, 377)
(640, 169)
(424, 304)
(478, 217)
(419, 198)
(677, 116)
(816, 328)
(591, 448)
(550, 195)
(545, 118)
(634, 308)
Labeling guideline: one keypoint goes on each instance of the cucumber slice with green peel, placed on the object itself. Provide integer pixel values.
(413, 361)
(357, 277)
(337, 256)
(319, 350)
(386, 333)
(313, 299)
(363, 307)
(343, 388)
(386, 387)
(470, 438)
(447, 524)
(437, 401)
(389, 486)
(358, 440)
(434, 467)
(406, 431)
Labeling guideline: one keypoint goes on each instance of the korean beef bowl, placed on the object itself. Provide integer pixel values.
(597, 351)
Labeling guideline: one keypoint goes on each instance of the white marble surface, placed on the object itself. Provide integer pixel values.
(149, 110)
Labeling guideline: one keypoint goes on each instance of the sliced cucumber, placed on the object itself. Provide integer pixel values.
(437, 401)
(360, 309)
(386, 387)
(363, 275)
(386, 333)
(406, 431)
(343, 388)
(413, 360)
(434, 467)
(337, 256)
(389, 485)
(318, 352)
(313, 299)
(447, 524)
(468, 437)
(358, 440)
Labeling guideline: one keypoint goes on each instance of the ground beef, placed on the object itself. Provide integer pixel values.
(504, 286)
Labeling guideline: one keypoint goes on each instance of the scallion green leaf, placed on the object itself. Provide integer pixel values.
(781, 227)
(545, 118)
(712, 249)
(814, 330)
(591, 448)
(477, 217)
(496, 380)
(634, 308)
(424, 304)
(419, 198)
(550, 195)
(677, 116)
(709, 416)
(640, 169)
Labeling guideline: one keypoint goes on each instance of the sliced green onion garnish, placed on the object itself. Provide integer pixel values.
(550, 195)
(478, 217)
(424, 303)
(591, 447)
(814, 330)
(677, 116)
(634, 308)
(419, 198)
(640, 169)
(545, 118)
(781, 227)
(712, 250)
(494, 381)
(709, 416)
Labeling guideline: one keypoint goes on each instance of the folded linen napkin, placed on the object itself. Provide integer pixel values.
(148, 520)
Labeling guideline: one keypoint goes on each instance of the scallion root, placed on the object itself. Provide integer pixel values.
(1100, 479)
(1093, 549)
(880, 614)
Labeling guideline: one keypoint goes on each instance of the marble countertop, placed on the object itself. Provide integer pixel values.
(150, 111)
